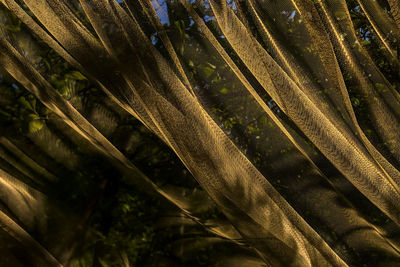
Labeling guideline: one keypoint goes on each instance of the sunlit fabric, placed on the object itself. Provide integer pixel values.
(282, 111)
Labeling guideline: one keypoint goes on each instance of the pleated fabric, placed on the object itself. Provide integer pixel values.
(277, 108)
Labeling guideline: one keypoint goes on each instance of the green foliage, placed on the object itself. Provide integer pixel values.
(123, 219)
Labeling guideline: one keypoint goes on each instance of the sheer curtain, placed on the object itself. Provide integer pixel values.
(281, 110)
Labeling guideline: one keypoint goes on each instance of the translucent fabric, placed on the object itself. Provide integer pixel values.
(280, 109)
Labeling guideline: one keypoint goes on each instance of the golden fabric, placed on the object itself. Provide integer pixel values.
(288, 184)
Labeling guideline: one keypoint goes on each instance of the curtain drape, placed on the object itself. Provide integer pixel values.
(283, 112)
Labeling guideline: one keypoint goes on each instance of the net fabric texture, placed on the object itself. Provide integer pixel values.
(279, 109)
